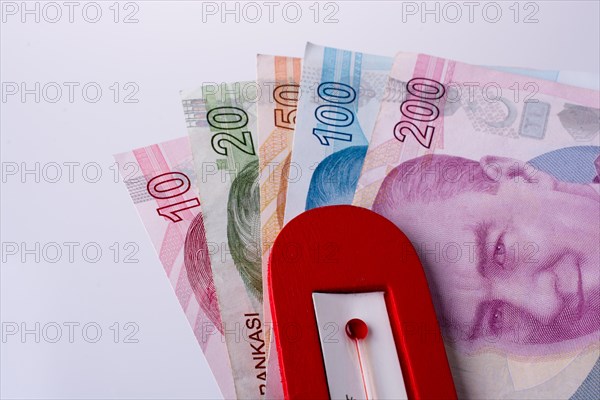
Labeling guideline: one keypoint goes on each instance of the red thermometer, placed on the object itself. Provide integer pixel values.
(352, 314)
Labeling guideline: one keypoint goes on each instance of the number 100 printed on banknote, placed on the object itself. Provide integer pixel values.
(340, 92)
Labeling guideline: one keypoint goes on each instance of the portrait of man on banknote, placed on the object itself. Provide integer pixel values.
(511, 253)
(243, 242)
(243, 227)
(199, 273)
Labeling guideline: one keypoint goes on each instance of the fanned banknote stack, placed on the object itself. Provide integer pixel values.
(492, 173)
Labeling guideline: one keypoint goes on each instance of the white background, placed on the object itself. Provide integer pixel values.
(168, 49)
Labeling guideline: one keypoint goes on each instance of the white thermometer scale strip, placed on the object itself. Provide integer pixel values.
(365, 368)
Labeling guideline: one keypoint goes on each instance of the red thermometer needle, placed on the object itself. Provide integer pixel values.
(357, 330)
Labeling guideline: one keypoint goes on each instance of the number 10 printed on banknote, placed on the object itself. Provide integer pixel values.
(162, 184)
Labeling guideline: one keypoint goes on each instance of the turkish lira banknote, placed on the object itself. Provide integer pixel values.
(494, 178)
(340, 95)
(278, 79)
(221, 121)
(162, 184)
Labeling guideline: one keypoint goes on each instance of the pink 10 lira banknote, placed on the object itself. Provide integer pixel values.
(162, 184)
(494, 178)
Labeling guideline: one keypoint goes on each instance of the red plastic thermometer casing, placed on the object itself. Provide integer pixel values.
(346, 249)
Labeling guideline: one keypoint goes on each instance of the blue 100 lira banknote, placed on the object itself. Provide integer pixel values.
(340, 95)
